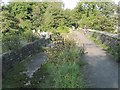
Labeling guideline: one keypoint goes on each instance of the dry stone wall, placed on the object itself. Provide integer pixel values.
(110, 40)
(11, 58)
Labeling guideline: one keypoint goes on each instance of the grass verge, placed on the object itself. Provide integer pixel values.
(63, 69)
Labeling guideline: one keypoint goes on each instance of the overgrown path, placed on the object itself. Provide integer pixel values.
(101, 70)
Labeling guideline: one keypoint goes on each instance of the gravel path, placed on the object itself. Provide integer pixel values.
(101, 70)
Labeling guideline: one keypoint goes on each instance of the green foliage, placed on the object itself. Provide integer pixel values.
(26, 24)
(22, 18)
(10, 42)
(115, 51)
(63, 68)
(28, 35)
(63, 29)
(44, 16)
(9, 23)
(54, 16)
(99, 16)
(15, 77)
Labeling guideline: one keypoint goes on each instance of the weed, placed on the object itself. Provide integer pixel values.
(63, 69)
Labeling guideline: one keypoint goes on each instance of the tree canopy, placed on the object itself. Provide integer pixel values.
(18, 16)
(99, 16)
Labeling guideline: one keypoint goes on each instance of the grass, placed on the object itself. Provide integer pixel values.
(63, 68)
(14, 78)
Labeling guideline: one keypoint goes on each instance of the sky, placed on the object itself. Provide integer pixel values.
(70, 4)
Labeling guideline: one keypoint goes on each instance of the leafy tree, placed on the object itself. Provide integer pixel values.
(54, 16)
(99, 16)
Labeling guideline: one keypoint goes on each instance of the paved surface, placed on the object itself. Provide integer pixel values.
(35, 63)
(101, 70)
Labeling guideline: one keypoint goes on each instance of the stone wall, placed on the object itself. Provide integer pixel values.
(110, 40)
(11, 58)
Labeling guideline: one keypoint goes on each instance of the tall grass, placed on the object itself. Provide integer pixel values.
(63, 68)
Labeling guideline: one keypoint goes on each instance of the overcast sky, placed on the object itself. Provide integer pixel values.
(70, 4)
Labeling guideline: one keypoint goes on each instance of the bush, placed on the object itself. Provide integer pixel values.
(15, 78)
(115, 51)
(62, 29)
(10, 42)
(62, 69)
(28, 36)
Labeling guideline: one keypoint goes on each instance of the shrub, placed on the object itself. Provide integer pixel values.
(28, 36)
(115, 51)
(10, 42)
(62, 69)
(62, 29)
(15, 78)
